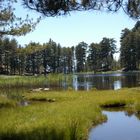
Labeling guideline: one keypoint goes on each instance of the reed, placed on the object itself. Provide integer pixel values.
(32, 81)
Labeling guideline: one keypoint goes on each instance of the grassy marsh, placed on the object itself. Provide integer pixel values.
(6, 102)
(69, 117)
(32, 81)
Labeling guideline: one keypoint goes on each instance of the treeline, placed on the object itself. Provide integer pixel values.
(130, 48)
(36, 58)
(52, 57)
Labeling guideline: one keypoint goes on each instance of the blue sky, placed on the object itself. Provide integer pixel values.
(69, 30)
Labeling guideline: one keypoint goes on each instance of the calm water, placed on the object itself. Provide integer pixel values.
(103, 81)
(119, 126)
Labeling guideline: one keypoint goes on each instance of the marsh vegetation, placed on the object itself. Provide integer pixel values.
(69, 117)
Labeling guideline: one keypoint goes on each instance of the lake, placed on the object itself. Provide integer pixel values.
(100, 81)
(119, 126)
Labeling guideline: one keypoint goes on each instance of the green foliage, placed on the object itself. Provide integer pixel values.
(57, 8)
(100, 56)
(53, 58)
(130, 48)
(81, 52)
(11, 24)
(94, 59)
(108, 48)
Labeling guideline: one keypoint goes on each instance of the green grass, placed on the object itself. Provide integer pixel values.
(6, 102)
(21, 81)
(32, 81)
(69, 117)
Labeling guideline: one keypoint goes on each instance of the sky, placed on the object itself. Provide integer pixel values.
(90, 26)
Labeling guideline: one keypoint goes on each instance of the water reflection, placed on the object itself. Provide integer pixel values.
(99, 81)
(84, 83)
(75, 82)
(117, 85)
(105, 81)
(119, 126)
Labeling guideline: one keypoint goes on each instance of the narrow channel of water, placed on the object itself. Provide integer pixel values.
(119, 126)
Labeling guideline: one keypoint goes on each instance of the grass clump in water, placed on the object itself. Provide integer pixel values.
(113, 103)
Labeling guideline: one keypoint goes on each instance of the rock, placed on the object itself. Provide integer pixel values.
(23, 103)
(37, 89)
(51, 100)
(40, 89)
(46, 89)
